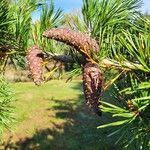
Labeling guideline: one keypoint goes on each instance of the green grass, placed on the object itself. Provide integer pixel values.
(53, 117)
(31, 97)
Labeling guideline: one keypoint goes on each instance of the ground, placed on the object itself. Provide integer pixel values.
(54, 117)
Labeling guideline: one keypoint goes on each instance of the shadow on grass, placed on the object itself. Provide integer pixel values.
(78, 132)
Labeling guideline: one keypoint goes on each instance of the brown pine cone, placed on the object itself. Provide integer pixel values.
(83, 43)
(35, 64)
(92, 84)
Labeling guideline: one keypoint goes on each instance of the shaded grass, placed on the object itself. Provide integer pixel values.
(31, 97)
(53, 116)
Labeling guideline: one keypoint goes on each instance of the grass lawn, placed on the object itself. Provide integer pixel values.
(54, 117)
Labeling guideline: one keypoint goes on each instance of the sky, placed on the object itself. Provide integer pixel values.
(69, 5)
(146, 6)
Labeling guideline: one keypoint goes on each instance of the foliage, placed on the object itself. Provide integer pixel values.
(5, 21)
(21, 12)
(21, 32)
(16, 17)
(133, 90)
(134, 115)
(6, 107)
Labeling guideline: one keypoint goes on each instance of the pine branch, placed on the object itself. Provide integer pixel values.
(106, 63)
(124, 65)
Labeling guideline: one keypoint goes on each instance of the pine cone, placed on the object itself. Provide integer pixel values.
(92, 84)
(35, 64)
(80, 41)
